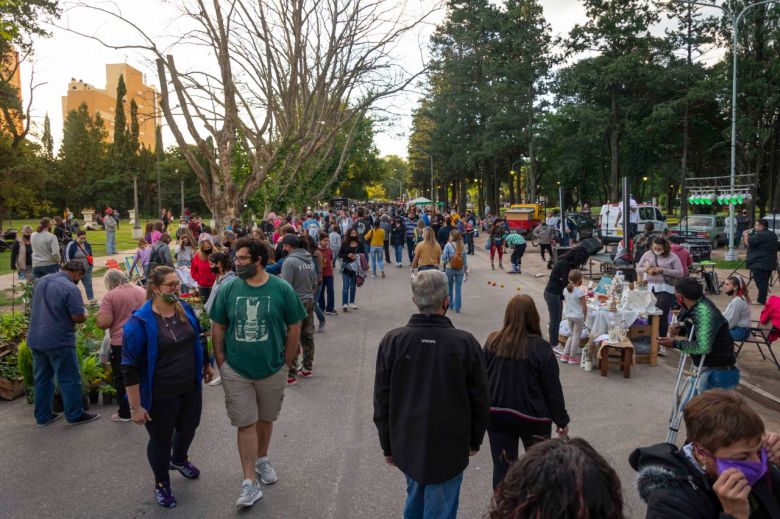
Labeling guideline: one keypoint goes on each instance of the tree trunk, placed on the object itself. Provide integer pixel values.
(463, 185)
(532, 172)
(614, 142)
(774, 170)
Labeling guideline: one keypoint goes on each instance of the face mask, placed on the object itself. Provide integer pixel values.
(753, 470)
(169, 298)
(730, 292)
(206, 249)
(246, 271)
(658, 253)
(214, 270)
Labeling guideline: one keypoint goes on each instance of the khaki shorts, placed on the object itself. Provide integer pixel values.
(248, 400)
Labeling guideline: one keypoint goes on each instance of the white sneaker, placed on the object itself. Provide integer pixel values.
(216, 382)
(558, 350)
(345, 308)
(265, 471)
(353, 306)
(250, 494)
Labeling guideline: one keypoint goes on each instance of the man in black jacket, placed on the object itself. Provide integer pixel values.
(431, 403)
(728, 470)
(761, 256)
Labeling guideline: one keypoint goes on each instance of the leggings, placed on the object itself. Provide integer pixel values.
(546, 247)
(171, 431)
(493, 247)
(555, 311)
(505, 431)
(573, 347)
(664, 302)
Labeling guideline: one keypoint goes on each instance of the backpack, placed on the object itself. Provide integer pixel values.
(456, 262)
(314, 231)
(157, 257)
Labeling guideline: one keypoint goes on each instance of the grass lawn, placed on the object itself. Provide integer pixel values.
(97, 239)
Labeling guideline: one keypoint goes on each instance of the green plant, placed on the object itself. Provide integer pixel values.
(25, 361)
(108, 389)
(9, 368)
(13, 326)
(92, 372)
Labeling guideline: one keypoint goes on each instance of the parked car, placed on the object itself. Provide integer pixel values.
(774, 223)
(705, 227)
(610, 231)
(583, 224)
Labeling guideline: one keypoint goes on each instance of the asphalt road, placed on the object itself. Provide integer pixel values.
(325, 446)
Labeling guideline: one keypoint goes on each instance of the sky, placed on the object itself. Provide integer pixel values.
(66, 55)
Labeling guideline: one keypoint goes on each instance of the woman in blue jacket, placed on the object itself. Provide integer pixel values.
(164, 363)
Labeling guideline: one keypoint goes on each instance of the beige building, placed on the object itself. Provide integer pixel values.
(11, 72)
(104, 101)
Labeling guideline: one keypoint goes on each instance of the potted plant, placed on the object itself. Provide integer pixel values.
(92, 375)
(108, 393)
(25, 361)
(11, 385)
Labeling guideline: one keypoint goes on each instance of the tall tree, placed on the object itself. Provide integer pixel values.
(47, 140)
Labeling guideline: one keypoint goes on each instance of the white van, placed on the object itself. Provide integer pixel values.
(610, 231)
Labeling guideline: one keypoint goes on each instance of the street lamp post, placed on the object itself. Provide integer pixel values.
(137, 220)
(731, 255)
(433, 193)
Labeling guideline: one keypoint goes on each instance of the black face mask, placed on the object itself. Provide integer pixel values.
(207, 249)
(246, 271)
(730, 292)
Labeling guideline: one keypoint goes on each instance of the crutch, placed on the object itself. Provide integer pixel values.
(687, 384)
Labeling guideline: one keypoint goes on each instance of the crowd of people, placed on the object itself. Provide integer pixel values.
(437, 390)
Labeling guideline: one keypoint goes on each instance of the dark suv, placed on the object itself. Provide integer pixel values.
(583, 225)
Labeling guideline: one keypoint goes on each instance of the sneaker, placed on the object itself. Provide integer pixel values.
(575, 360)
(558, 350)
(383, 274)
(162, 492)
(331, 312)
(661, 351)
(291, 381)
(564, 359)
(345, 309)
(353, 306)
(187, 469)
(321, 327)
(53, 418)
(117, 418)
(216, 382)
(86, 418)
(265, 470)
(250, 494)
(373, 275)
(306, 373)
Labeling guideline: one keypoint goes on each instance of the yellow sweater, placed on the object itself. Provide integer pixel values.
(376, 237)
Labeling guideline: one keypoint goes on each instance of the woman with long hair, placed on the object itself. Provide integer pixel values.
(350, 248)
(560, 479)
(185, 249)
(142, 256)
(200, 268)
(737, 312)
(559, 279)
(662, 269)
(148, 232)
(427, 254)
(454, 257)
(157, 232)
(526, 397)
(164, 363)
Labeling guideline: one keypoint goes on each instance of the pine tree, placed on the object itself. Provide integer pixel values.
(120, 119)
(47, 140)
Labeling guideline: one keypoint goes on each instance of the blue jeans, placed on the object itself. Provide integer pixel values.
(377, 257)
(326, 300)
(714, 379)
(399, 253)
(739, 333)
(454, 283)
(64, 364)
(437, 501)
(87, 282)
(110, 242)
(39, 272)
(317, 309)
(349, 286)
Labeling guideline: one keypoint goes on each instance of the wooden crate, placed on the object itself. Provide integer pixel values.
(10, 389)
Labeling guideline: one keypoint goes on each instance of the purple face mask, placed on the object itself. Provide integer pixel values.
(753, 470)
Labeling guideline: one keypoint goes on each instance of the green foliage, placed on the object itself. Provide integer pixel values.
(92, 372)
(9, 368)
(25, 363)
(13, 326)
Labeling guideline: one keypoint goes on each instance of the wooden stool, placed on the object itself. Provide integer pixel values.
(624, 357)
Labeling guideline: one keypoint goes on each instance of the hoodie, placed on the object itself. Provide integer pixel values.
(298, 270)
(673, 487)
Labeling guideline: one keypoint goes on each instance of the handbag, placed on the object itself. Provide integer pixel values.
(105, 348)
(669, 280)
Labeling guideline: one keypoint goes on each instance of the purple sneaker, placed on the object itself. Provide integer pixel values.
(187, 469)
(162, 492)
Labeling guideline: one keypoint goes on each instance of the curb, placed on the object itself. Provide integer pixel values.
(759, 395)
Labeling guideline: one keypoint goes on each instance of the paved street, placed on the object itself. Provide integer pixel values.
(325, 446)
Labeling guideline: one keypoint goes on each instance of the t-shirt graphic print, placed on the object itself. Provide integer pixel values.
(252, 318)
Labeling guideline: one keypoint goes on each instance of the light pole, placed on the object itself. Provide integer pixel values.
(731, 255)
(433, 193)
(137, 220)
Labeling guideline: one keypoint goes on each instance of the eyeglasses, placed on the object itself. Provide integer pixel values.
(242, 259)
(173, 284)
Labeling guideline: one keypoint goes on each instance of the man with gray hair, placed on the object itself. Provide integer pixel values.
(123, 298)
(431, 403)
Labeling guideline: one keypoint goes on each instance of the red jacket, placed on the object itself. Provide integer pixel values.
(771, 313)
(327, 261)
(201, 272)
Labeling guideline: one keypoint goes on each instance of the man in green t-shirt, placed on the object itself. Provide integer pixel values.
(257, 326)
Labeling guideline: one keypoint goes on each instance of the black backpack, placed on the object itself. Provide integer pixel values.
(157, 257)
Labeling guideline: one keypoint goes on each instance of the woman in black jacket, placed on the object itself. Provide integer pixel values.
(351, 248)
(398, 239)
(559, 278)
(526, 397)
